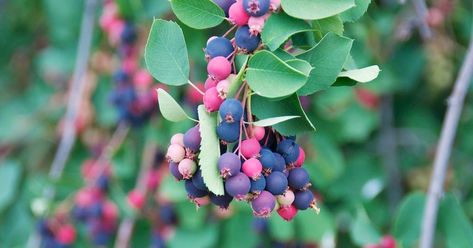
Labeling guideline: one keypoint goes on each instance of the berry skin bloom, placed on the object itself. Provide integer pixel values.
(298, 179)
(258, 185)
(276, 183)
(238, 186)
(212, 99)
(228, 132)
(192, 139)
(263, 204)
(219, 46)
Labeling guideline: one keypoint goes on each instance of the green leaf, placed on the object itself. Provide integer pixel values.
(408, 221)
(330, 24)
(241, 222)
(166, 53)
(353, 14)
(279, 27)
(9, 178)
(315, 9)
(281, 230)
(310, 232)
(362, 75)
(273, 121)
(199, 14)
(362, 230)
(454, 224)
(209, 150)
(170, 109)
(327, 58)
(171, 189)
(271, 77)
(301, 65)
(238, 79)
(204, 237)
(266, 108)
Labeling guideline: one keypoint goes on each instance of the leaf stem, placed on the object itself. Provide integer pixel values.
(195, 87)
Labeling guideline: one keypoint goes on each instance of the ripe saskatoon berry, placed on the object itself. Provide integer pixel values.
(263, 204)
(300, 160)
(287, 212)
(173, 168)
(223, 201)
(210, 82)
(136, 199)
(298, 179)
(304, 199)
(66, 234)
(245, 41)
(210, 39)
(212, 99)
(258, 185)
(258, 133)
(250, 148)
(280, 163)
(192, 139)
(222, 88)
(286, 199)
(219, 68)
(229, 164)
(267, 159)
(274, 5)
(224, 4)
(256, 7)
(228, 132)
(276, 183)
(187, 168)
(289, 149)
(198, 180)
(219, 46)
(175, 153)
(192, 191)
(231, 110)
(238, 186)
(237, 15)
(252, 168)
(256, 24)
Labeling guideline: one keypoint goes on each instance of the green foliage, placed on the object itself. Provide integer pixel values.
(362, 75)
(332, 24)
(362, 230)
(198, 14)
(312, 10)
(170, 109)
(408, 221)
(353, 14)
(279, 28)
(9, 181)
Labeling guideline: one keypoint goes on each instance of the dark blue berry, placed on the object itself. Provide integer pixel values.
(245, 41)
(276, 183)
(175, 171)
(256, 7)
(198, 180)
(228, 132)
(289, 150)
(219, 46)
(224, 4)
(96, 210)
(223, 201)
(231, 110)
(279, 162)
(194, 192)
(267, 159)
(102, 183)
(298, 178)
(303, 199)
(258, 185)
(128, 34)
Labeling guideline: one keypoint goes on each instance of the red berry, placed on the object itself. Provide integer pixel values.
(66, 234)
(110, 211)
(142, 79)
(250, 148)
(287, 212)
(210, 82)
(193, 96)
(136, 199)
(219, 68)
(388, 241)
(212, 100)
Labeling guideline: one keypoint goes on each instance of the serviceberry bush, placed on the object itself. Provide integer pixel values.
(243, 145)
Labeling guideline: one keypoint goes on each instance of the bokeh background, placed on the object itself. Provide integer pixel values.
(370, 159)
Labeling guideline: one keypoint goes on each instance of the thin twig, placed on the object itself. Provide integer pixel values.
(195, 87)
(420, 7)
(447, 136)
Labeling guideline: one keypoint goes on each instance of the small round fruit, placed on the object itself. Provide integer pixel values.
(66, 234)
(178, 139)
(175, 153)
(258, 133)
(224, 4)
(287, 212)
(304, 200)
(286, 199)
(388, 241)
(280, 163)
(229, 164)
(222, 88)
(258, 185)
(256, 7)
(289, 149)
(300, 160)
(298, 179)
(219, 68)
(263, 204)
(173, 168)
(237, 15)
(256, 24)
(231, 110)
(136, 199)
(192, 139)
(187, 168)
(212, 99)
(192, 191)
(198, 181)
(222, 201)
(228, 132)
(219, 46)
(252, 168)
(238, 186)
(250, 148)
(210, 82)
(267, 159)
(276, 183)
(245, 41)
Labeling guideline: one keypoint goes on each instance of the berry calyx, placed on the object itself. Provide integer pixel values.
(267, 159)
(245, 40)
(256, 7)
(258, 185)
(304, 200)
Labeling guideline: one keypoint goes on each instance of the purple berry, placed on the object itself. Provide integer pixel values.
(198, 180)
(289, 149)
(229, 164)
(219, 46)
(223, 201)
(194, 192)
(267, 159)
(279, 162)
(228, 132)
(258, 185)
(298, 179)
(263, 204)
(276, 183)
(245, 41)
(256, 7)
(192, 139)
(174, 169)
(224, 4)
(231, 110)
(238, 186)
(304, 199)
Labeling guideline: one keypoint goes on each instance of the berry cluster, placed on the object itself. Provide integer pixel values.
(133, 95)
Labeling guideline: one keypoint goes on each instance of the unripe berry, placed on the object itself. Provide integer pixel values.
(222, 88)
(229, 164)
(231, 110)
(210, 82)
(245, 41)
(300, 160)
(66, 234)
(228, 132)
(198, 181)
(256, 24)
(192, 139)
(289, 149)
(175, 153)
(252, 168)
(192, 191)
(178, 139)
(219, 68)
(223, 201)
(298, 179)
(136, 199)
(263, 204)
(237, 15)
(212, 100)
(238, 186)
(250, 148)
(267, 159)
(276, 183)
(258, 185)
(286, 199)
(287, 212)
(219, 46)
(187, 168)
(388, 241)
(173, 168)
(258, 133)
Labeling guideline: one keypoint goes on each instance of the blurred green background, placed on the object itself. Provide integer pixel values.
(370, 158)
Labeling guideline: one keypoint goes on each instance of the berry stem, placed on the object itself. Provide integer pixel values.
(229, 31)
(239, 90)
(195, 87)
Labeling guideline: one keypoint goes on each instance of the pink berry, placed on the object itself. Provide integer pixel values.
(193, 96)
(84, 198)
(286, 199)
(142, 79)
(136, 199)
(388, 242)
(210, 82)
(175, 153)
(219, 68)
(187, 168)
(274, 5)
(250, 148)
(258, 133)
(66, 234)
(110, 211)
(300, 160)
(237, 15)
(252, 168)
(256, 24)
(178, 139)
(287, 212)
(222, 88)
(212, 100)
